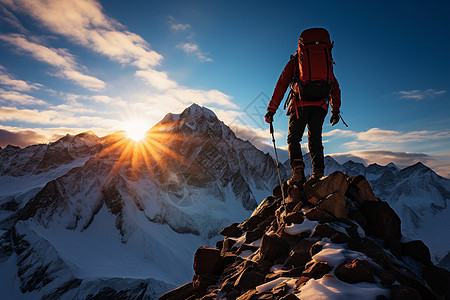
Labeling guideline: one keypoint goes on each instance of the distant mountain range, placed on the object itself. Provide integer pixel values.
(86, 216)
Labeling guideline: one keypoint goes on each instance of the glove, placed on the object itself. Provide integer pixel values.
(269, 116)
(334, 119)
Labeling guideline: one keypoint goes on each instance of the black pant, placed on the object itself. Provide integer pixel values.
(313, 116)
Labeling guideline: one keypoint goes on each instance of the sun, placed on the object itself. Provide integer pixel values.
(136, 129)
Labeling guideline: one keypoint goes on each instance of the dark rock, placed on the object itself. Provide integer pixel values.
(219, 244)
(301, 281)
(323, 230)
(333, 183)
(373, 251)
(266, 208)
(438, 279)
(319, 214)
(183, 292)
(249, 295)
(356, 271)
(394, 246)
(382, 221)
(251, 236)
(401, 292)
(300, 255)
(266, 223)
(387, 277)
(341, 238)
(227, 246)
(294, 218)
(334, 204)
(207, 260)
(252, 222)
(358, 217)
(316, 270)
(280, 290)
(202, 282)
(289, 297)
(359, 190)
(249, 278)
(417, 250)
(273, 246)
(232, 231)
(316, 248)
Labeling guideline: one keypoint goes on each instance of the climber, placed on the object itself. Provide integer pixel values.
(309, 73)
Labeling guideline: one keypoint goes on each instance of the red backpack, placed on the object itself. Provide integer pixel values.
(316, 76)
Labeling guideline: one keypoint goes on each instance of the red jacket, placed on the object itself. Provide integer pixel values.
(283, 82)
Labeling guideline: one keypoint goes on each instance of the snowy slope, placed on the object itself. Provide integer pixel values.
(109, 211)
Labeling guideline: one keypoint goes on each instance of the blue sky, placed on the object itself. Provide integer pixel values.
(67, 66)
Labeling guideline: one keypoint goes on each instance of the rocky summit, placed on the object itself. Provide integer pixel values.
(332, 240)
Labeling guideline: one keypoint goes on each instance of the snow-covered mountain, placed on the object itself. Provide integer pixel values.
(417, 194)
(88, 216)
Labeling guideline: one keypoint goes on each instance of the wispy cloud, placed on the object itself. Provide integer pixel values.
(19, 98)
(16, 84)
(177, 26)
(375, 137)
(10, 19)
(58, 58)
(419, 94)
(54, 118)
(194, 49)
(84, 22)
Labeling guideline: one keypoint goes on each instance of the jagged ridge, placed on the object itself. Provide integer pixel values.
(336, 235)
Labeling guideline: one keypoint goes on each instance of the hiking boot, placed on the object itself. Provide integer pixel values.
(315, 177)
(298, 173)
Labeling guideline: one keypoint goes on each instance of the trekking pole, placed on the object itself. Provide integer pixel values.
(276, 160)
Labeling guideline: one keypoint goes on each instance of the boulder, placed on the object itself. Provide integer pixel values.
(252, 222)
(202, 282)
(359, 190)
(249, 278)
(226, 246)
(266, 208)
(417, 250)
(334, 204)
(438, 279)
(296, 217)
(356, 271)
(382, 221)
(207, 260)
(401, 292)
(300, 255)
(183, 292)
(333, 183)
(231, 231)
(319, 214)
(323, 230)
(316, 270)
(273, 246)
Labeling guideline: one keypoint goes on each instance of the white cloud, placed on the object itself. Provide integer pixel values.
(19, 98)
(59, 58)
(54, 118)
(84, 22)
(157, 79)
(16, 84)
(194, 49)
(419, 94)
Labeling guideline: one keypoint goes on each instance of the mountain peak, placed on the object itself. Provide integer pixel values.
(197, 110)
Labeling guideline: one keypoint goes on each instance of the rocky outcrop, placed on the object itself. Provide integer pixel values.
(335, 233)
